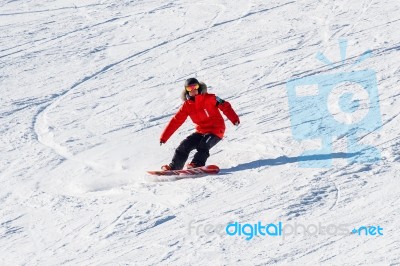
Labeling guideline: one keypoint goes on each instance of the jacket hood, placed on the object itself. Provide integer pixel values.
(202, 90)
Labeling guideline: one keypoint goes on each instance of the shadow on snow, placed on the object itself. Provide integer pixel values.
(285, 160)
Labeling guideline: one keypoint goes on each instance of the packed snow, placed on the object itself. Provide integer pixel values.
(87, 88)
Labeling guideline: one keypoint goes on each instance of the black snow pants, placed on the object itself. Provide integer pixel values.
(202, 143)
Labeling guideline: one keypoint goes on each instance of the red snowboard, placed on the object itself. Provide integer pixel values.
(207, 169)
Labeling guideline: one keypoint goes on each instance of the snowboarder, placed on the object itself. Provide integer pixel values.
(204, 110)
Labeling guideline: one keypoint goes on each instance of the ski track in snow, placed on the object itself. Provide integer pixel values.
(40, 125)
(86, 91)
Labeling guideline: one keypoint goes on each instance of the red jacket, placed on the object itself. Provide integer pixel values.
(204, 111)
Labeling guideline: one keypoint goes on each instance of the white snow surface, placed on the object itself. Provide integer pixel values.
(87, 88)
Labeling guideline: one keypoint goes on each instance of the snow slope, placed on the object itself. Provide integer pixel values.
(87, 88)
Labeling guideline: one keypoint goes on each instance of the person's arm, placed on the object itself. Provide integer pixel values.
(175, 122)
(227, 109)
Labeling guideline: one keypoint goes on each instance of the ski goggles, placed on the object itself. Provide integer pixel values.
(192, 87)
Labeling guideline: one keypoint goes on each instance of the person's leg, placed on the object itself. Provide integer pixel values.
(183, 150)
(207, 142)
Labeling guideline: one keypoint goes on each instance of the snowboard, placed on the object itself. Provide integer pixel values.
(203, 170)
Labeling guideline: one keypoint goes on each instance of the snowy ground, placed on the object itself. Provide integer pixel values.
(87, 88)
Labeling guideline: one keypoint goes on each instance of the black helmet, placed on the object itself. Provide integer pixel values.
(191, 81)
(202, 88)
